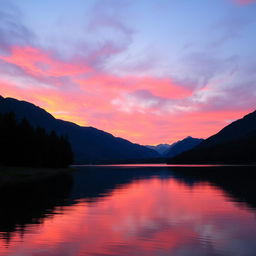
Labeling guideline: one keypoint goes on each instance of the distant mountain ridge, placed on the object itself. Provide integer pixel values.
(160, 148)
(182, 146)
(171, 150)
(89, 144)
(235, 143)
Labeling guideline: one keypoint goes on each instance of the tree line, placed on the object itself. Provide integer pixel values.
(21, 144)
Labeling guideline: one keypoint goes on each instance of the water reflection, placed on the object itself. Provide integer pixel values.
(30, 204)
(135, 211)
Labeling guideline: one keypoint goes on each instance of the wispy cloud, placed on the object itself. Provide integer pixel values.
(12, 29)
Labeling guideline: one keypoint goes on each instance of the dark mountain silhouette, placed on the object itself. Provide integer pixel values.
(235, 143)
(182, 145)
(171, 150)
(160, 148)
(89, 144)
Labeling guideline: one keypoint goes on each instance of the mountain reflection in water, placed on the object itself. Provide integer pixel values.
(133, 211)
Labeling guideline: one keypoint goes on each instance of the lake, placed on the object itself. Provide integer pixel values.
(133, 210)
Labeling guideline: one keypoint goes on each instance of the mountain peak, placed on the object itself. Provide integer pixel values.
(235, 143)
(183, 145)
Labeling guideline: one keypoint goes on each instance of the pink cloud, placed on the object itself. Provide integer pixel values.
(40, 63)
(36, 61)
(160, 87)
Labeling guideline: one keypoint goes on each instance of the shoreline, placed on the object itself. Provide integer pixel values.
(15, 176)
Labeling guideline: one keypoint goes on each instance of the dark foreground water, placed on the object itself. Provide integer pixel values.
(133, 211)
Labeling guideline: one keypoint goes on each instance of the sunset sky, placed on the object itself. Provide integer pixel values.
(150, 71)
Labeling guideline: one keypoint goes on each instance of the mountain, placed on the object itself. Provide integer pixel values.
(182, 145)
(88, 144)
(171, 150)
(160, 148)
(235, 143)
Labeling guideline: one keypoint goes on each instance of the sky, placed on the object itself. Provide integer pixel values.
(150, 71)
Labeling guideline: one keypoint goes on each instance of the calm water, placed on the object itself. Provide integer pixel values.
(133, 211)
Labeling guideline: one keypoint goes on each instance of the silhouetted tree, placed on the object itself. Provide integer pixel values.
(23, 145)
